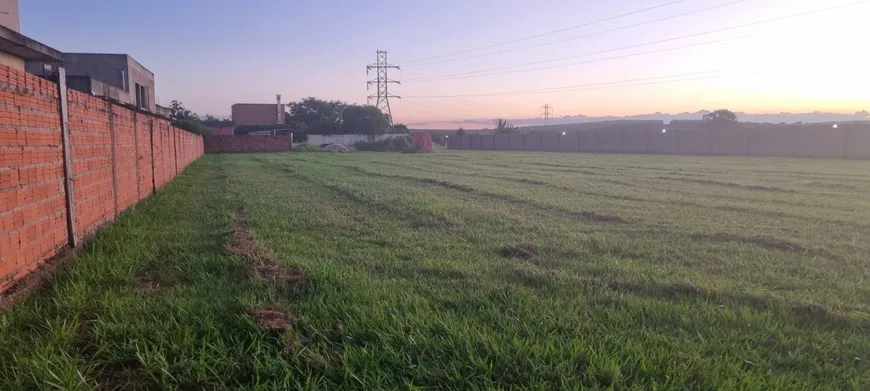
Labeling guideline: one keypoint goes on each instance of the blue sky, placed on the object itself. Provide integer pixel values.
(211, 54)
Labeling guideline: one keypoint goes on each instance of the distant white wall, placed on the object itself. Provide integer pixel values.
(347, 139)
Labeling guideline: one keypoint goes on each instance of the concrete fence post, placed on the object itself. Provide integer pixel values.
(136, 144)
(174, 149)
(67, 158)
(153, 166)
(114, 157)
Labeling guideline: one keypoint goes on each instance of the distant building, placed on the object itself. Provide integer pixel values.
(115, 76)
(9, 15)
(258, 114)
(16, 49)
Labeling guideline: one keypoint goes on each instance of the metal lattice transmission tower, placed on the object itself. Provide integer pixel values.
(547, 113)
(382, 81)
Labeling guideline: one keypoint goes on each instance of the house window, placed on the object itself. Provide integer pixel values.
(141, 96)
(124, 85)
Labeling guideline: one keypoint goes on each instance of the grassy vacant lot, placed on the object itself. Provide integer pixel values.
(466, 271)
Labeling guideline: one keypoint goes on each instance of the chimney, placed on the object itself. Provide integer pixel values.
(280, 108)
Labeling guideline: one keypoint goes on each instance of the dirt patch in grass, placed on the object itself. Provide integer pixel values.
(765, 242)
(273, 319)
(522, 250)
(260, 260)
(242, 242)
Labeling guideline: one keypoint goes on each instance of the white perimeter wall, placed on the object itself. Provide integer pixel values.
(347, 139)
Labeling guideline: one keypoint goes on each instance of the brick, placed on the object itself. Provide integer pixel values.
(32, 203)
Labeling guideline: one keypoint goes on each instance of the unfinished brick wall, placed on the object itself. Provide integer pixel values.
(32, 198)
(126, 174)
(91, 162)
(247, 143)
(145, 154)
(116, 161)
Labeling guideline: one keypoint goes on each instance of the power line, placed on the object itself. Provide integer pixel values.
(618, 83)
(476, 26)
(606, 58)
(603, 87)
(500, 105)
(463, 75)
(548, 33)
(582, 36)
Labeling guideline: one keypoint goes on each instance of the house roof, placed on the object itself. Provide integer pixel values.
(23, 47)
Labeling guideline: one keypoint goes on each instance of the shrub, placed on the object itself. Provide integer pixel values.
(394, 144)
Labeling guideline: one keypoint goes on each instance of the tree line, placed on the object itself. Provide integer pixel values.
(306, 116)
(317, 116)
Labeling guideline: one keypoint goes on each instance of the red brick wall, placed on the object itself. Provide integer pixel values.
(126, 173)
(32, 203)
(91, 162)
(144, 156)
(111, 153)
(246, 143)
(221, 130)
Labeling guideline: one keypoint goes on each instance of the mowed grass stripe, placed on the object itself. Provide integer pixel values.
(674, 253)
(640, 180)
(716, 212)
(814, 185)
(377, 189)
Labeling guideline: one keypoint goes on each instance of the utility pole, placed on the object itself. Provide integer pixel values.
(382, 81)
(547, 113)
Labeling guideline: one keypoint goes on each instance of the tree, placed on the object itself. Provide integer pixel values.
(177, 111)
(460, 132)
(307, 112)
(503, 126)
(183, 118)
(400, 129)
(720, 116)
(358, 119)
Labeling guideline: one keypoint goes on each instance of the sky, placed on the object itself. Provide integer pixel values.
(619, 57)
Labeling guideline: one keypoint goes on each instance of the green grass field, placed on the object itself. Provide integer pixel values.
(466, 270)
